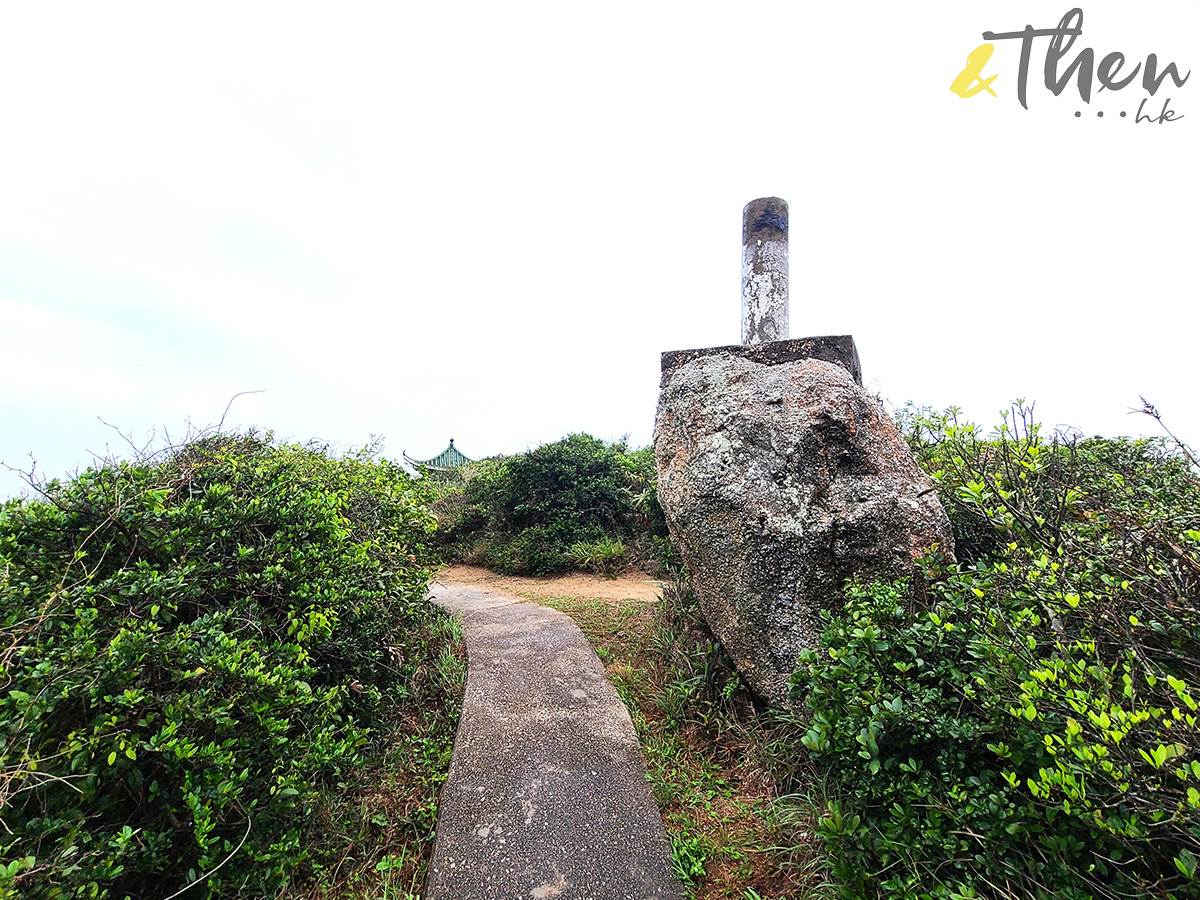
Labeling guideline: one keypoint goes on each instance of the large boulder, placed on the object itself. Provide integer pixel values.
(780, 481)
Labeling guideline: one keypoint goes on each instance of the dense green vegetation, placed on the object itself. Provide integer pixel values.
(197, 655)
(1027, 729)
(577, 502)
(1032, 729)
(217, 667)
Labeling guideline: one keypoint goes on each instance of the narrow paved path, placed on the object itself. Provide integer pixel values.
(547, 796)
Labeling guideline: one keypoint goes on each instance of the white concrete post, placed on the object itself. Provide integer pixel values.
(765, 271)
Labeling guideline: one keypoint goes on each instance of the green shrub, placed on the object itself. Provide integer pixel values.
(523, 514)
(462, 520)
(194, 651)
(537, 550)
(1034, 733)
(575, 482)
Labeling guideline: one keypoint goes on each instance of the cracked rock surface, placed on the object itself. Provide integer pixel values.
(780, 482)
(547, 795)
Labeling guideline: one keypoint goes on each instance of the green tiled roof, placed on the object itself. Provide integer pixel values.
(450, 458)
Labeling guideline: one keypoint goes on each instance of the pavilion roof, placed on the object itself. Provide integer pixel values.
(450, 458)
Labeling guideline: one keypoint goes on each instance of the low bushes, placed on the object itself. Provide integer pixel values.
(1034, 732)
(571, 502)
(194, 654)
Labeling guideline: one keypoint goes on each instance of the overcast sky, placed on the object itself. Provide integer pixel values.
(487, 220)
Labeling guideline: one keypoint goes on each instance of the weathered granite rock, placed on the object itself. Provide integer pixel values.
(779, 483)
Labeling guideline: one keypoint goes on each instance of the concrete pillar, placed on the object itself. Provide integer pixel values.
(765, 271)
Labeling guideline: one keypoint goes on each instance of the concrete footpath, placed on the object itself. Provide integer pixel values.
(547, 796)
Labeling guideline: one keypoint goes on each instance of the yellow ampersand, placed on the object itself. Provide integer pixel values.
(962, 85)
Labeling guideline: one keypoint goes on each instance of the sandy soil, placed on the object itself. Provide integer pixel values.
(630, 585)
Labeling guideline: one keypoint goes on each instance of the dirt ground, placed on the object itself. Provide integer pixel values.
(629, 585)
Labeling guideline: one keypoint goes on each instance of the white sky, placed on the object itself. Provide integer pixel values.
(487, 220)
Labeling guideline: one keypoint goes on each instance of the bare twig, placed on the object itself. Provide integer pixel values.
(1149, 409)
(221, 424)
(139, 453)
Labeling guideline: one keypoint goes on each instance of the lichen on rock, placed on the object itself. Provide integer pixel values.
(780, 483)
